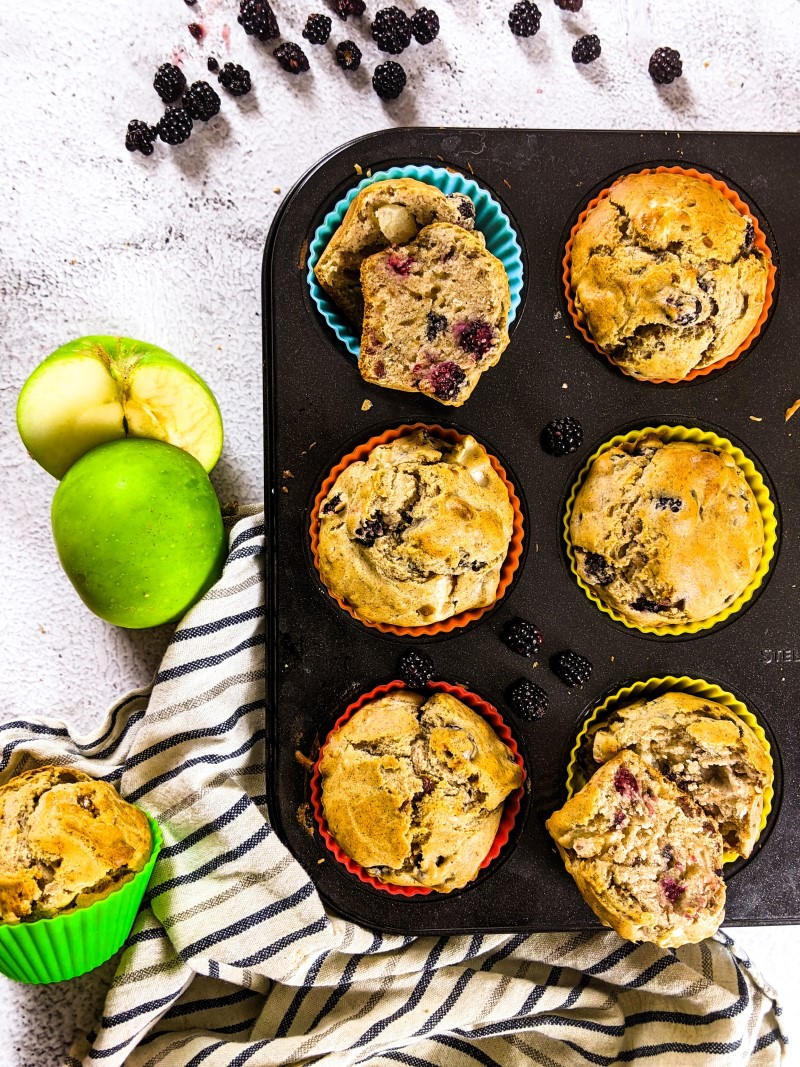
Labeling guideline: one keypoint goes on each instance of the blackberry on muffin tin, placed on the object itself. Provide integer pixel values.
(572, 668)
(522, 637)
(527, 699)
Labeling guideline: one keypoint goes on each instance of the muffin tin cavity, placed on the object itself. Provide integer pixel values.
(628, 441)
(508, 571)
(580, 763)
(502, 240)
(511, 809)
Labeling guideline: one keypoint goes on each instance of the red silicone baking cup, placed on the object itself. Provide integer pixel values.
(760, 242)
(510, 810)
(507, 572)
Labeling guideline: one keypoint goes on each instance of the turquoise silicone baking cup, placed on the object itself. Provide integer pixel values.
(65, 946)
(490, 219)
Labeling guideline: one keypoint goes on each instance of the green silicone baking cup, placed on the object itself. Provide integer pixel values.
(65, 946)
(760, 492)
(490, 219)
(655, 687)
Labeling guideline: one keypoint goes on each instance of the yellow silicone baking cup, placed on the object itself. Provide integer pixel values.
(654, 687)
(760, 492)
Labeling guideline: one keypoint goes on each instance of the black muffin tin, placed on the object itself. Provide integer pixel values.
(319, 658)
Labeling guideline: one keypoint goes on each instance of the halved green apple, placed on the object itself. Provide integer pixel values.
(99, 389)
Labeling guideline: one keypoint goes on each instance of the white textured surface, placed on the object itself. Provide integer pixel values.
(93, 240)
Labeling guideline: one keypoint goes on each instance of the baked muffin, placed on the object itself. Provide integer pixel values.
(666, 276)
(66, 840)
(389, 212)
(435, 314)
(417, 532)
(706, 749)
(667, 532)
(645, 857)
(413, 789)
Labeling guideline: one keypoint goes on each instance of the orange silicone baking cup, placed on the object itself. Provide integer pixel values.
(510, 809)
(507, 572)
(760, 242)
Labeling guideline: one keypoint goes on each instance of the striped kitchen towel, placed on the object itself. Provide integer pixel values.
(233, 959)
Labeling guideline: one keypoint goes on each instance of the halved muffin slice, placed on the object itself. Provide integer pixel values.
(645, 857)
(389, 212)
(706, 749)
(435, 314)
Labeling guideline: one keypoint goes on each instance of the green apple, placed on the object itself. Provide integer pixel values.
(98, 389)
(138, 530)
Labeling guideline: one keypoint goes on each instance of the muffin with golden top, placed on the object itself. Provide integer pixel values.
(666, 531)
(666, 276)
(413, 789)
(417, 532)
(66, 840)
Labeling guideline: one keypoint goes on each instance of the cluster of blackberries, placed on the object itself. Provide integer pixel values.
(392, 31)
(187, 104)
(525, 18)
(527, 699)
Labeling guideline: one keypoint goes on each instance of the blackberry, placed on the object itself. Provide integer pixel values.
(368, 532)
(435, 324)
(571, 668)
(524, 19)
(391, 30)
(235, 79)
(212, 65)
(477, 337)
(665, 66)
(415, 668)
(196, 30)
(598, 568)
(139, 137)
(527, 699)
(425, 25)
(317, 29)
(169, 82)
(669, 503)
(343, 8)
(569, 5)
(389, 80)
(562, 436)
(522, 636)
(257, 19)
(643, 603)
(446, 380)
(175, 126)
(586, 49)
(348, 55)
(292, 58)
(201, 101)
